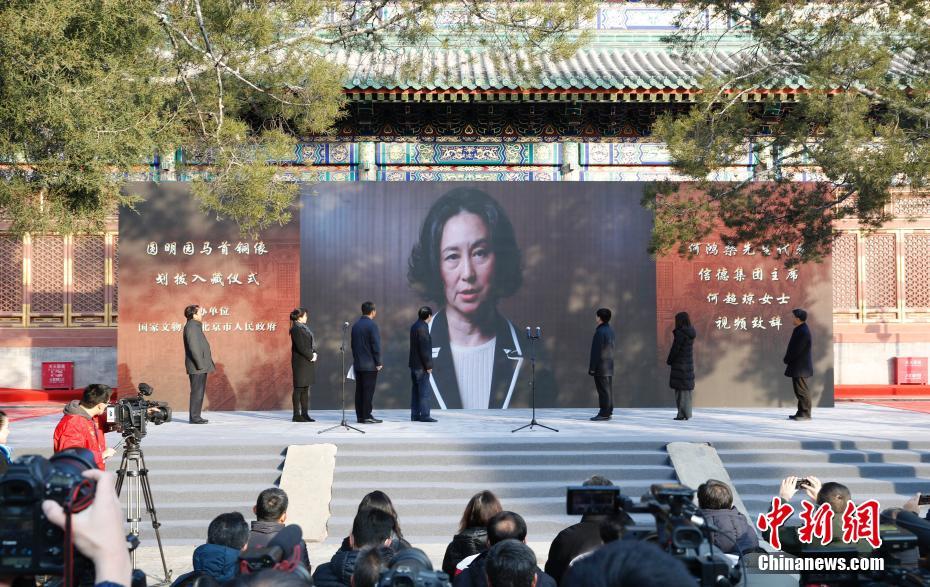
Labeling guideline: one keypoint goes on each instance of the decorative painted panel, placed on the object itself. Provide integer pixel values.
(629, 153)
(115, 274)
(880, 271)
(11, 276)
(845, 273)
(48, 297)
(468, 175)
(917, 271)
(621, 17)
(89, 272)
(326, 154)
(316, 176)
(468, 154)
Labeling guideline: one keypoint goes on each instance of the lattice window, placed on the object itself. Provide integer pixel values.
(48, 275)
(89, 272)
(11, 275)
(912, 207)
(917, 271)
(880, 271)
(115, 275)
(845, 273)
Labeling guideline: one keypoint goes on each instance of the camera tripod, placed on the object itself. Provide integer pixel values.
(133, 468)
(343, 423)
(533, 338)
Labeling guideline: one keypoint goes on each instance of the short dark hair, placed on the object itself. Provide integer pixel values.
(423, 267)
(682, 320)
(424, 312)
(380, 500)
(836, 494)
(271, 504)
(368, 567)
(230, 530)
(800, 314)
(95, 393)
(613, 527)
(272, 578)
(604, 314)
(191, 310)
(597, 481)
(371, 527)
(297, 313)
(506, 525)
(511, 563)
(631, 563)
(714, 495)
(480, 509)
(368, 308)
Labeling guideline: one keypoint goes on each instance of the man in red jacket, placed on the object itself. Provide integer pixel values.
(79, 427)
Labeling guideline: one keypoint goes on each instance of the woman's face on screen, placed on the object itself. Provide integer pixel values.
(466, 262)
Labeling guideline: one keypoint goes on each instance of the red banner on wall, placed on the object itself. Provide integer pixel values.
(173, 255)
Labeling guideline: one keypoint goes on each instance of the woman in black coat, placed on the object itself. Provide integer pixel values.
(681, 359)
(472, 537)
(303, 357)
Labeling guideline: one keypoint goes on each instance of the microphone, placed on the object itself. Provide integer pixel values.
(538, 332)
(528, 335)
(345, 324)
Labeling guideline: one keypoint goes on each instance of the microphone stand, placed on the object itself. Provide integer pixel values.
(533, 338)
(343, 423)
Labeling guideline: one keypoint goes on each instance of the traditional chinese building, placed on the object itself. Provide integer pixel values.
(463, 118)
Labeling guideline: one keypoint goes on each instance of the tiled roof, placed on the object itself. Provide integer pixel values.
(592, 68)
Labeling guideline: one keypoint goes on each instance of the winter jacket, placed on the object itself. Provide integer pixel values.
(798, 359)
(575, 540)
(476, 575)
(736, 536)
(78, 429)
(338, 571)
(681, 359)
(263, 532)
(471, 541)
(220, 562)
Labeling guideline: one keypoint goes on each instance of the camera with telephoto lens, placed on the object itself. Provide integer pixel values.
(29, 543)
(412, 568)
(129, 415)
(679, 529)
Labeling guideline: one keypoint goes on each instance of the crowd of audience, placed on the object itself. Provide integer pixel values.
(488, 550)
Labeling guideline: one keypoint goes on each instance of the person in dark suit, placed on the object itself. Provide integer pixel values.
(681, 360)
(800, 364)
(303, 359)
(601, 365)
(366, 362)
(421, 366)
(197, 359)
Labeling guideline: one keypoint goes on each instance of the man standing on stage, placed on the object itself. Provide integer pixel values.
(421, 365)
(601, 366)
(366, 362)
(197, 359)
(799, 363)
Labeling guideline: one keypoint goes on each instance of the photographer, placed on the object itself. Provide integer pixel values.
(835, 494)
(371, 529)
(98, 532)
(79, 428)
(736, 536)
(6, 453)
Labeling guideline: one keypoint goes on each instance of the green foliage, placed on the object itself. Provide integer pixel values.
(861, 120)
(91, 89)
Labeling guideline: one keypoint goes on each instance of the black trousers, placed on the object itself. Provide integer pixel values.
(364, 393)
(419, 394)
(301, 400)
(198, 386)
(803, 394)
(605, 402)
